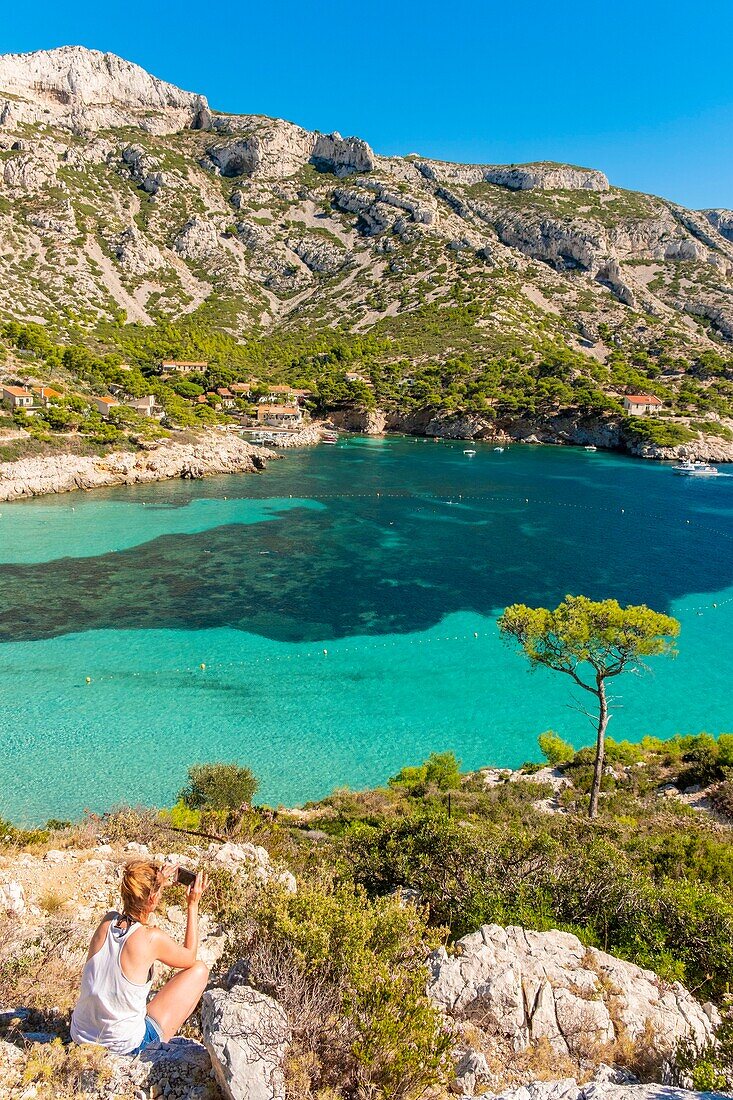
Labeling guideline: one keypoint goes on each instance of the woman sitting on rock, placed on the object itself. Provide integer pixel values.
(113, 1008)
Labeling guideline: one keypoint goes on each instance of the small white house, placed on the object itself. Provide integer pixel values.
(642, 404)
(184, 366)
(45, 395)
(145, 406)
(17, 397)
(228, 400)
(104, 405)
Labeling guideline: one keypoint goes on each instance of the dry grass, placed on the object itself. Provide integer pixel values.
(58, 1072)
(51, 901)
(41, 969)
(510, 1069)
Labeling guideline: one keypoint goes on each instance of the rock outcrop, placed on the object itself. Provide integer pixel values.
(178, 1070)
(518, 177)
(86, 89)
(279, 149)
(722, 221)
(608, 1085)
(213, 453)
(250, 862)
(247, 1036)
(526, 986)
(547, 177)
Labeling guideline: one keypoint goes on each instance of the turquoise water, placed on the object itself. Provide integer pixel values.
(389, 554)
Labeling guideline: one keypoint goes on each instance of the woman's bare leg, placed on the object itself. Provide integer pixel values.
(174, 1003)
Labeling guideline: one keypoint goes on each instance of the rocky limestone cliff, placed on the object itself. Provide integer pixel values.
(86, 89)
(210, 454)
(399, 219)
(571, 428)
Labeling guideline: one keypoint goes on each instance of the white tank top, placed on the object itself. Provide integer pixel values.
(111, 1009)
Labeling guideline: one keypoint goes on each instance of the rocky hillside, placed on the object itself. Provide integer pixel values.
(447, 934)
(124, 200)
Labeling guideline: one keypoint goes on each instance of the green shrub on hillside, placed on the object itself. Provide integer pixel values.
(218, 787)
(441, 771)
(706, 760)
(668, 907)
(350, 973)
(660, 432)
(554, 748)
(722, 798)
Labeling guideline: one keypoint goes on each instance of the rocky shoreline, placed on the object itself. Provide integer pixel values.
(204, 456)
(213, 453)
(563, 429)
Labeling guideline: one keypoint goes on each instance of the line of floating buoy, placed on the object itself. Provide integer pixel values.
(401, 641)
(229, 666)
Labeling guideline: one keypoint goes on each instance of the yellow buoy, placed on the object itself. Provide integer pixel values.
(89, 679)
(202, 666)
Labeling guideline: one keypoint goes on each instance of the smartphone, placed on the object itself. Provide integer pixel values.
(185, 877)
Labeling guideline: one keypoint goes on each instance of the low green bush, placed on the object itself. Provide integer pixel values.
(651, 892)
(441, 771)
(218, 787)
(554, 748)
(360, 962)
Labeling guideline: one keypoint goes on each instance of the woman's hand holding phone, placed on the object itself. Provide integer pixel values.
(197, 887)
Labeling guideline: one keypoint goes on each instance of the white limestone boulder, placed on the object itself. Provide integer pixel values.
(523, 986)
(247, 1036)
(12, 899)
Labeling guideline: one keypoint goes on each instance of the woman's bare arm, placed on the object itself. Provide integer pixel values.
(166, 949)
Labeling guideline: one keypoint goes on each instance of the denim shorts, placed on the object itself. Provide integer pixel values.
(152, 1035)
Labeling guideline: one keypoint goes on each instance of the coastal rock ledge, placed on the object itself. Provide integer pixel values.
(526, 986)
(199, 457)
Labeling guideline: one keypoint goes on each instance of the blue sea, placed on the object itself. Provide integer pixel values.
(334, 618)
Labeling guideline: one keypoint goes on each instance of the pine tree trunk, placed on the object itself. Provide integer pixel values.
(600, 747)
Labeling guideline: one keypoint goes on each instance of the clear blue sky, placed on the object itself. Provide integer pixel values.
(642, 90)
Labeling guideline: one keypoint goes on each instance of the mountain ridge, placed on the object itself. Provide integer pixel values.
(127, 204)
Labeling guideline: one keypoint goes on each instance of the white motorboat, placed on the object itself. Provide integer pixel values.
(696, 469)
(499, 450)
(329, 437)
(469, 452)
(591, 447)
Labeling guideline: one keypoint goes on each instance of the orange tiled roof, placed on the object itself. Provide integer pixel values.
(642, 399)
(184, 363)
